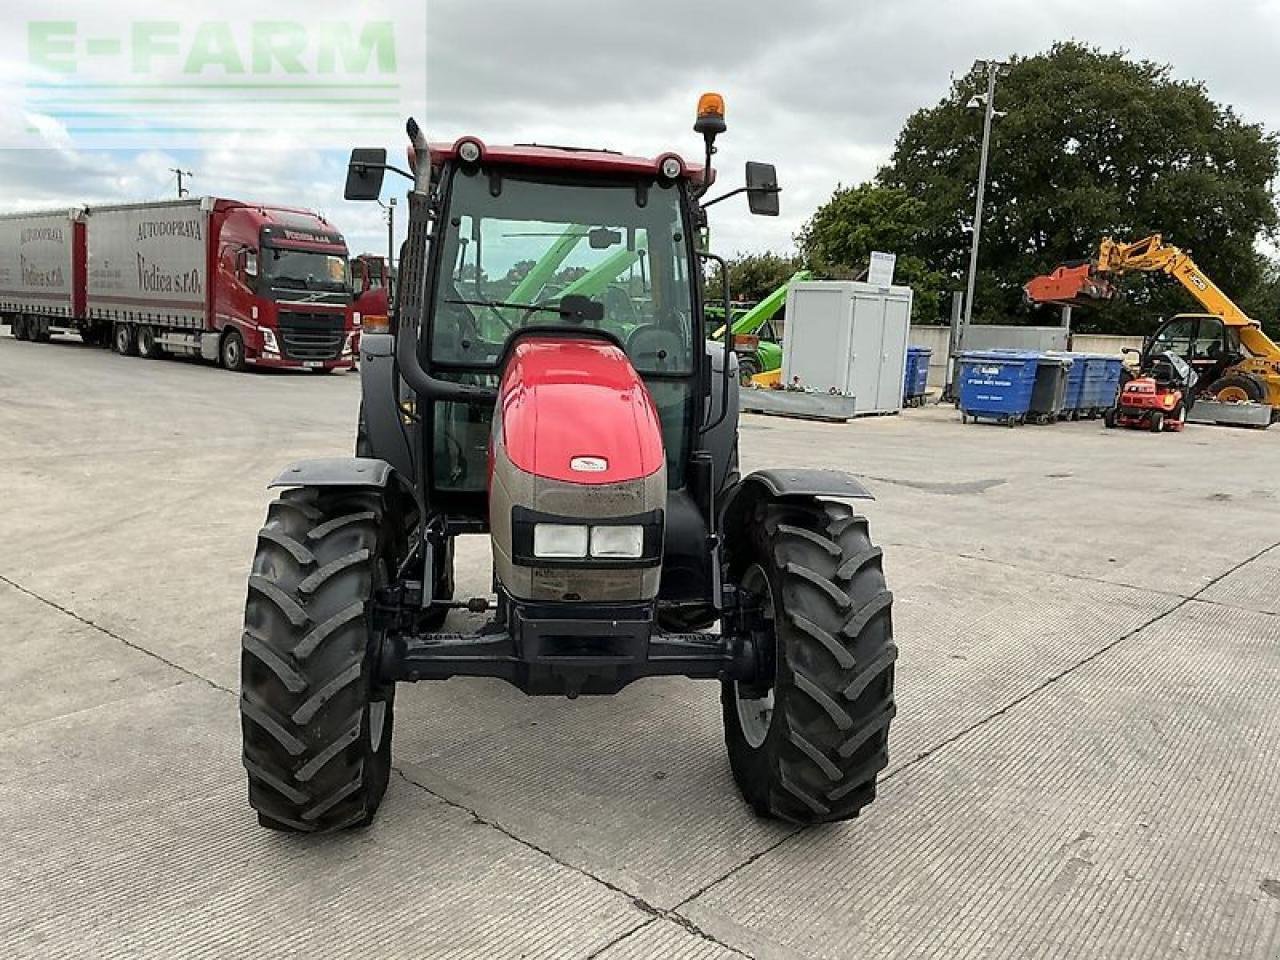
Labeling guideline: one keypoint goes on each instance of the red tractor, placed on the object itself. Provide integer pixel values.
(1158, 398)
(547, 382)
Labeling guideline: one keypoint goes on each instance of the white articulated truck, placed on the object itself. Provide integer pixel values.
(242, 283)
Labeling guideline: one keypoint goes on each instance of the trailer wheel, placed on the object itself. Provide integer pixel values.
(147, 345)
(19, 327)
(806, 743)
(123, 340)
(231, 351)
(315, 720)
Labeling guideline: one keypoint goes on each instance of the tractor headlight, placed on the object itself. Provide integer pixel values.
(560, 541)
(617, 543)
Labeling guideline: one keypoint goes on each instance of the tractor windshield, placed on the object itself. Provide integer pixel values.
(515, 247)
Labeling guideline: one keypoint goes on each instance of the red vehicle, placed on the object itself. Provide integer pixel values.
(1157, 399)
(371, 287)
(371, 282)
(244, 284)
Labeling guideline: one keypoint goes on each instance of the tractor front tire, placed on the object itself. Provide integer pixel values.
(748, 367)
(316, 721)
(809, 747)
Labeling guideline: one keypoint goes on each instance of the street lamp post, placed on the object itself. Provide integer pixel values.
(390, 207)
(993, 69)
(182, 189)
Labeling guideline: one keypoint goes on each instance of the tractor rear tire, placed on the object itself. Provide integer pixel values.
(808, 749)
(1109, 419)
(316, 721)
(1238, 388)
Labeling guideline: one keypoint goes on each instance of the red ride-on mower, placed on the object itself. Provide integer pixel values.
(1158, 398)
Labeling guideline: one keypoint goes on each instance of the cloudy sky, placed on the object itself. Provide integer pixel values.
(819, 87)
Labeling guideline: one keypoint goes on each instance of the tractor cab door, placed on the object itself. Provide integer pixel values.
(1174, 336)
(1214, 349)
(1205, 343)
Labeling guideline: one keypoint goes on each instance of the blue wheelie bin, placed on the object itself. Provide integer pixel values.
(1102, 383)
(997, 385)
(916, 381)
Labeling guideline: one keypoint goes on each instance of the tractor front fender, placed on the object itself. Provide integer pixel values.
(337, 472)
(781, 483)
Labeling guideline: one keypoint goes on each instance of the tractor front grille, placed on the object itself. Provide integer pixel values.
(311, 336)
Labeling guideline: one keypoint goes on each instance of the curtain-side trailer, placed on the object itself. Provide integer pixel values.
(42, 260)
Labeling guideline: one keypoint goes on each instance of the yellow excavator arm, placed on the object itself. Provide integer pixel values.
(1154, 255)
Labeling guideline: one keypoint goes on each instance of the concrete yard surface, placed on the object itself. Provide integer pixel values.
(1085, 762)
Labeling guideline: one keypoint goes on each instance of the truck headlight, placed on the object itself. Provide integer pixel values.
(617, 543)
(269, 344)
(560, 541)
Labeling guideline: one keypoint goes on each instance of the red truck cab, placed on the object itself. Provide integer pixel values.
(284, 286)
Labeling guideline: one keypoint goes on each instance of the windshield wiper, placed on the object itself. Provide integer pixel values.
(496, 304)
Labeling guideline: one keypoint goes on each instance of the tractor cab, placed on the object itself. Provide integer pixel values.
(1201, 341)
(547, 242)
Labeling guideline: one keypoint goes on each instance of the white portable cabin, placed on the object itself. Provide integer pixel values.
(848, 338)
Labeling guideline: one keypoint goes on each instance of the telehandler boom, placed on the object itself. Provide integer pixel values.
(1235, 360)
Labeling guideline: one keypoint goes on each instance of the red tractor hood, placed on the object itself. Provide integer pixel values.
(577, 411)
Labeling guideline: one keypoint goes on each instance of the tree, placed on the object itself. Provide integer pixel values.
(1091, 144)
(753, 276)
(838, 240)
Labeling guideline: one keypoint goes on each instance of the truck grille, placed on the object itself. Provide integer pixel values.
(311, 336)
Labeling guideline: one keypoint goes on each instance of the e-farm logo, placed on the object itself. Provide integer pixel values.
(271, 48)
(160, 82)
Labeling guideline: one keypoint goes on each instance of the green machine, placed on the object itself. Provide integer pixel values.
(757, 338)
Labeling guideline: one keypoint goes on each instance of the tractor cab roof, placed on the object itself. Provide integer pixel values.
(571, 159)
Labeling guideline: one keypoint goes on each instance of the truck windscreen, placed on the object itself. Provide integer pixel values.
(514, 248)
(288, 269)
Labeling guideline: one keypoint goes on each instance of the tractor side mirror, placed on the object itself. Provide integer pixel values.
(762, 189)
(247, 263)
(365, 172)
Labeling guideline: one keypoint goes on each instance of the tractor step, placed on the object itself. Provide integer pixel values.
(1256, 415)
